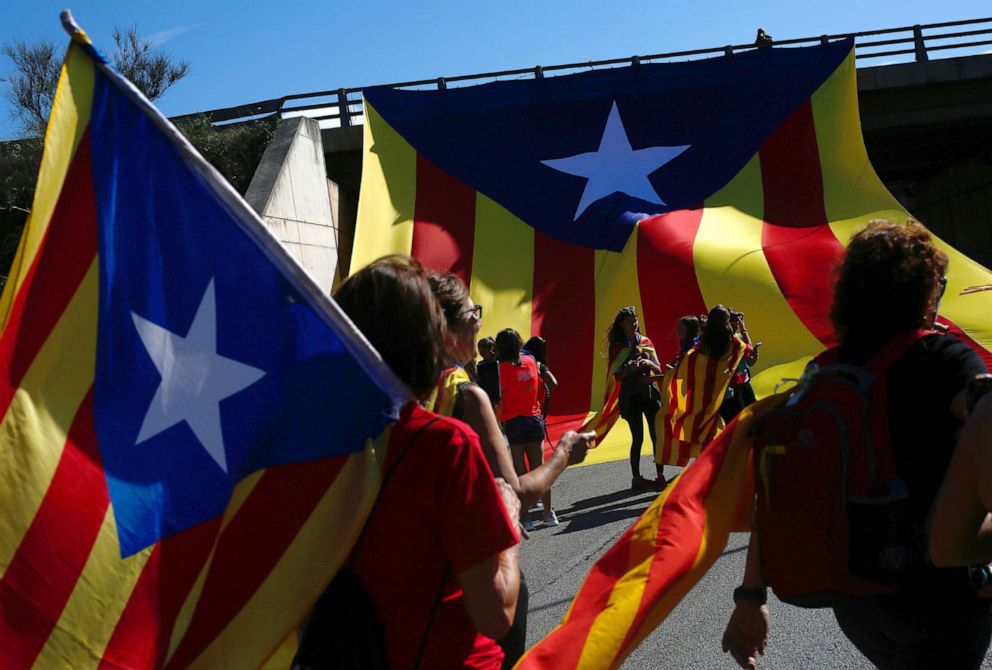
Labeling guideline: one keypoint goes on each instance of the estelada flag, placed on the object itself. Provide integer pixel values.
(671, 187)
(691, 395)
(183, 414)
(647, 572)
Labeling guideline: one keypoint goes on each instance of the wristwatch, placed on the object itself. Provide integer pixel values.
(754, 594)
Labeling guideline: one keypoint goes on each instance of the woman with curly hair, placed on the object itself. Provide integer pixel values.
(888, 288)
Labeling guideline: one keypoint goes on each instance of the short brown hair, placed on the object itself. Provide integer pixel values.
(391, 302)
(888, 282)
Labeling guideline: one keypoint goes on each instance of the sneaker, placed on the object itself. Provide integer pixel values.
(659, 484)
(551, 519)
(539, 506)
(528, 525)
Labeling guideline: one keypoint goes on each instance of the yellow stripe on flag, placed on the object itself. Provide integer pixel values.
(616, 287)
(239, 495)
(502, 268)
(36, 424)
(387, 196)
(616, 618)
(70, 117)
(852, 192)
(732, 269)
(854, 195)
(96, 603)
(305, 568)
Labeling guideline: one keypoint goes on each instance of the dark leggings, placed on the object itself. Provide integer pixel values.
(633, 416)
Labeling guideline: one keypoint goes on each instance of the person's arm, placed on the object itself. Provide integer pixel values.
(548, 377)
(747, 629)
(961, 530)
(491, 587)
(571, 449)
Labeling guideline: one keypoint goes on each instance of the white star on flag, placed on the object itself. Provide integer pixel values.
(616, 166)
(195, 378)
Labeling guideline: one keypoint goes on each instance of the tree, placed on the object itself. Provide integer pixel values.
(31, 88)
(31, 91)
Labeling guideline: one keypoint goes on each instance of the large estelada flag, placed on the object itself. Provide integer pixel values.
(670, 187)
(183, 415)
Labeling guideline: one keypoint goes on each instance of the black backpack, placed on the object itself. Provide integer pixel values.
(344, 631)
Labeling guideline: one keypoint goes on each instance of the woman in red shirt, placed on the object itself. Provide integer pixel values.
(450, 588)
(520, 410)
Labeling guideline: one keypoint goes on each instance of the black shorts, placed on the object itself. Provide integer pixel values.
(522, 429)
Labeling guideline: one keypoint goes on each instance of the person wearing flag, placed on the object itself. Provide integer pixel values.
(455, 590)
(634, 365)
(694, 390)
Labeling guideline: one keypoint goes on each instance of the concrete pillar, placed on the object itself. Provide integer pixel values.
(290, 193)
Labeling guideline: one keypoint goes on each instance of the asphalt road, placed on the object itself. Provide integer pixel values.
(595, 506)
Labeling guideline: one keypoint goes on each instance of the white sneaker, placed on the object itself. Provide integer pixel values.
(539, 506)
(528, 525)
(551, 519)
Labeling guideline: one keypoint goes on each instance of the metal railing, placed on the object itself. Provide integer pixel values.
(343, 106)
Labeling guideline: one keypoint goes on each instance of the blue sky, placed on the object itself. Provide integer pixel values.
(241, 52)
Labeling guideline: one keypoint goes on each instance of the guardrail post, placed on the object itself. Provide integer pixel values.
(824, 39)
(441, 84)
(344, 114)
(538, 72)
(728, 50)
(919, 44)
(635, 61)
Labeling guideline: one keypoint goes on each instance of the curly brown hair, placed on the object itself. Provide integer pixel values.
(890, 281)
(391, 302)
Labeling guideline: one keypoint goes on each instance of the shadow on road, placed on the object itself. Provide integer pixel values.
(604, 509)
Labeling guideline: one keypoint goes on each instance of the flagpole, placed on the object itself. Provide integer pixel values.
(248, 220)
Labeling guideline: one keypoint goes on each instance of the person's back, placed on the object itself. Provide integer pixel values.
(435, 519)
(518, 386)
(889, 286)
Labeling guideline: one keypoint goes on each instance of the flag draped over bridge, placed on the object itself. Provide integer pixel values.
(671, 187)
(183, 415)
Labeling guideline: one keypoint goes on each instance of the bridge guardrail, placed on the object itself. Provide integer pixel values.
(343, 106)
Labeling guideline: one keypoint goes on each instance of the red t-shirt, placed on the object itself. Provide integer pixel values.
(518, 385)
(441, 508)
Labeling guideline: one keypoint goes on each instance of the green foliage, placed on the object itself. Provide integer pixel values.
(152, 72)
(19, 162)
(31, 87)
(235, 151)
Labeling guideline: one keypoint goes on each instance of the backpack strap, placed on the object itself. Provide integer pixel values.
(385, 480)
(894, 349)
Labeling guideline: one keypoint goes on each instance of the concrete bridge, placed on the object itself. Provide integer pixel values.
(927, 124)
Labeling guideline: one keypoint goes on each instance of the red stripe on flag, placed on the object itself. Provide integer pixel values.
(444, 221)
(66, 252)
(666, 274)
(44, 570)
(562, 313)
(235, 575)
(797, 241)
(141, 637)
